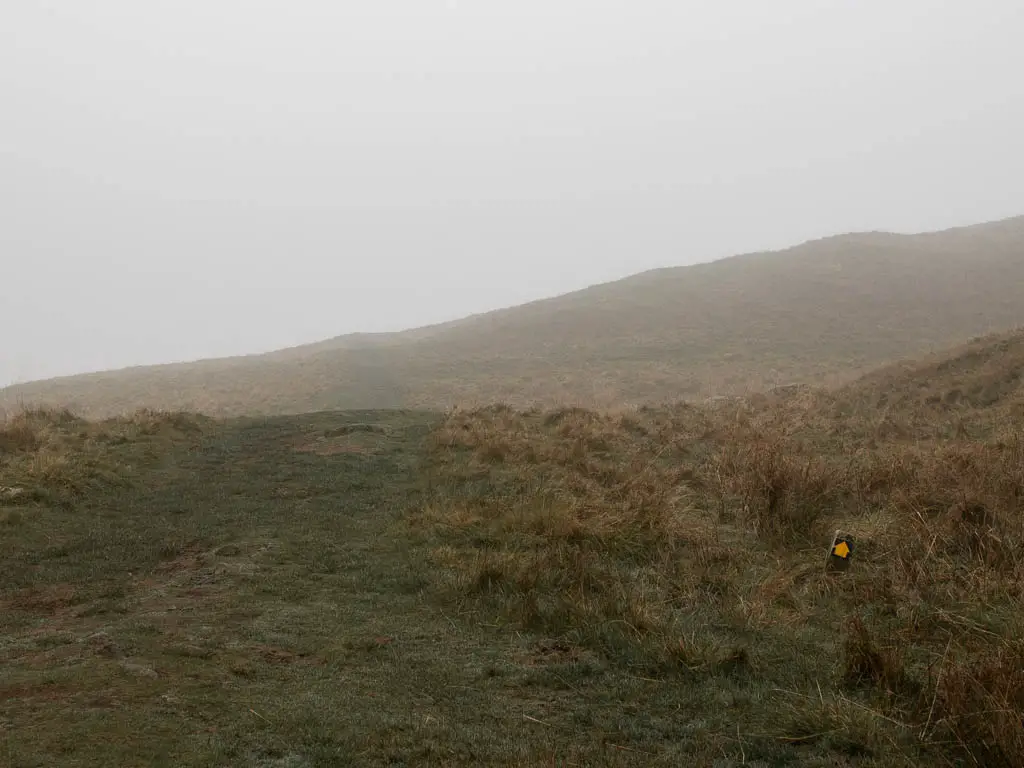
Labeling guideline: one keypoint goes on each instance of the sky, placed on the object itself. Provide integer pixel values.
(183, 179)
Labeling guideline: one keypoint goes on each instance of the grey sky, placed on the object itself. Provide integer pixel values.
(189, 178)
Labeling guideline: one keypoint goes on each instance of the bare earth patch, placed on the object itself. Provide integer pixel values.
(358, 438)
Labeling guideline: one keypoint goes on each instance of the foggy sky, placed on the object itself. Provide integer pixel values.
(191, 178)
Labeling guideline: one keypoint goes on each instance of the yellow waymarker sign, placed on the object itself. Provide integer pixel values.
(840, 553)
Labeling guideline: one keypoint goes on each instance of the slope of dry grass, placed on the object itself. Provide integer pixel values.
(819, 312)
(981, 383)
(690, 543)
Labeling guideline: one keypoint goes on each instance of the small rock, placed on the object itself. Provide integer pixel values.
(287, 761)
(104, 645)
(139, 670)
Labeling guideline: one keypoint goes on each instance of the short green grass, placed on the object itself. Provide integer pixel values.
(238, 604)
(505, 588)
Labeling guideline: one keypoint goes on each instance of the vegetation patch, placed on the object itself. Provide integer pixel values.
(54, 454)
(688, 543)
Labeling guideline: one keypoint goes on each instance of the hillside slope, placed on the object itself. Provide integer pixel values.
(977, 384)
(818, 312)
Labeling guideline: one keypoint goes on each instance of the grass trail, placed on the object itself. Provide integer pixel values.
(243, 605)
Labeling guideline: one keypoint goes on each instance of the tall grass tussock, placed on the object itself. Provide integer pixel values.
(48, 453)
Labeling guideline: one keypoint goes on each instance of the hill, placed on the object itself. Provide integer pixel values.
(819, 312)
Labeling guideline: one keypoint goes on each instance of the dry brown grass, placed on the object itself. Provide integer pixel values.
(692, 540)
(54, 454)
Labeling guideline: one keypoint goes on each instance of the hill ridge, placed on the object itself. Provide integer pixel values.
(822, 311)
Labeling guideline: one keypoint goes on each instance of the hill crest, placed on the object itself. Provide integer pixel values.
(823, 311)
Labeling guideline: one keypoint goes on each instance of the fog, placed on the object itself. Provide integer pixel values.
(212, 177)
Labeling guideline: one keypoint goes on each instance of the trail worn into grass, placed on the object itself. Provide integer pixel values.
(244, 605)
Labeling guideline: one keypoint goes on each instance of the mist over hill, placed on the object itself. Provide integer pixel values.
(822, 312)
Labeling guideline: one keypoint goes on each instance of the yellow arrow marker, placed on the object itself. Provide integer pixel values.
(842, 549)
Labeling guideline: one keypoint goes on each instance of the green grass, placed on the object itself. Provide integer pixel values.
(226, 608)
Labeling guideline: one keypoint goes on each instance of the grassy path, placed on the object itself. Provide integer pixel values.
(243, 606)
